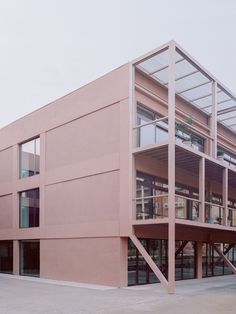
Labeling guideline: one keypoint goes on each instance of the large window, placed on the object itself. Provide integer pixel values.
(29, 208)
(152, 198)
(30, 258)
(151, 133)
(29, 158)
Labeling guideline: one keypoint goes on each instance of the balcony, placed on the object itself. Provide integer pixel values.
(156, 207)
(153, 129)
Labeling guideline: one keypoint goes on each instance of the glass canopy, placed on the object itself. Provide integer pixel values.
(192, 84)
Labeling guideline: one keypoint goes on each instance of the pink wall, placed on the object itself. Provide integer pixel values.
(6, 165)
(93, 199)
(89, 260)
(6, 212)
(81, 184)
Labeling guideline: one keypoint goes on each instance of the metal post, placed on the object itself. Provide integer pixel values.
(202, 189)
(225, 196)
(213, 122)
(171, 169)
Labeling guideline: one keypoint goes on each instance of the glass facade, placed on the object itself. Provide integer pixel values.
(138, 270)
(30, 258)
(226, 156)
(185, 260)
(6, 257)
(152, 199)
(212, 263)
(29, 208)
(140, 273)
(30, 158)
(151, 133)
(157, 132)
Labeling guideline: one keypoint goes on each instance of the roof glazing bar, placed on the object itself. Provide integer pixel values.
(204, 96)
(223, 101)
(225, 119)
(226, 110)
(165, 67)
(191, 88)
(183, 76)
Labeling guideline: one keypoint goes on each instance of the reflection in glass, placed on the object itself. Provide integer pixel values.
(29, 208)
(29, 158)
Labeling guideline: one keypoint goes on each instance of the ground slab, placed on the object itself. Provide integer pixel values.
(21, 295)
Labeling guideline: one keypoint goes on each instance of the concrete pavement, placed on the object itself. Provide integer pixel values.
(32, 296)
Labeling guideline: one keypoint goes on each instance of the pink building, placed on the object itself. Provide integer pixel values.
(130, 179)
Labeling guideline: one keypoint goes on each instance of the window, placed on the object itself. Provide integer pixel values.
(29, 158)
(151, 133)
(226, 156)
(29, 208)
(194, 140)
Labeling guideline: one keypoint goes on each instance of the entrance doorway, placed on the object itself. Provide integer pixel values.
(30, 258)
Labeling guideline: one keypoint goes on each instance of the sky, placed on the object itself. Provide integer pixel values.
(49, 48)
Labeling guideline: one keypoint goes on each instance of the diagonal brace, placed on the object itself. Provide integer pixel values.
(149, 261)
(225, 259)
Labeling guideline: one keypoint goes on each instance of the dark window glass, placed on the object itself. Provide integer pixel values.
(29, 158)
(6, 257)
(29, 208)
(226, 156)
(30, 258)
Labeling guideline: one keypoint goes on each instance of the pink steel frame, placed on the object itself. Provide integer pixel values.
(169, 285)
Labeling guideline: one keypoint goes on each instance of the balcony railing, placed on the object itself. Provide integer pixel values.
(232, 217)
(151, 207)
(187, 208)
(156, 131)
(214, 213)
(152, 132)
(154, 207)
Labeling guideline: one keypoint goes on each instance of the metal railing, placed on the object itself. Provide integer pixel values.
(152, 132)
(151, 207)
(232, 217)
(156, 206)
(186, 208)
(214, 213)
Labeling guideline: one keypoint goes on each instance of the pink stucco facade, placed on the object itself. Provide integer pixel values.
(90, 204)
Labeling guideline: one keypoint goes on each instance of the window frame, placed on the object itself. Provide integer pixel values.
(20, 156)
(20, 208)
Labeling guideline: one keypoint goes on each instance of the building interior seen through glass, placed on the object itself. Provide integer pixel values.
(157, 132)
(185, 260)
(30, 158)
(30, 257)
(29, 208)
(6, 257)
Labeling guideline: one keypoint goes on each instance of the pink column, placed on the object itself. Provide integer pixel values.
(16, 257)
(171, 169)
(199, 260)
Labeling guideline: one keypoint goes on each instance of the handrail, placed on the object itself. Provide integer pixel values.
(188, 198)
(231, 208)
(214, 204)
(195, 129)
(150, 122)
(149, 197)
